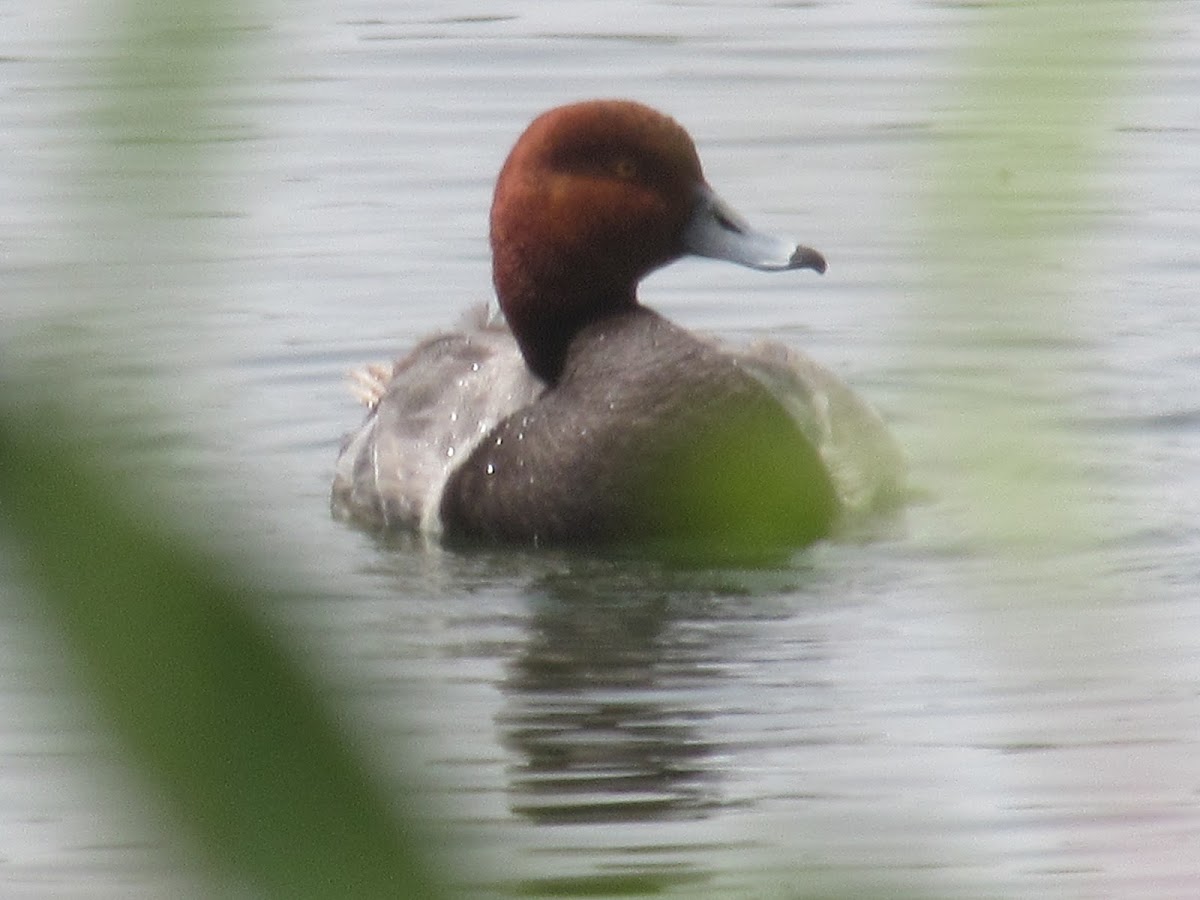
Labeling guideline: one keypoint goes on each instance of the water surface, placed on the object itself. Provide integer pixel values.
(595, 727)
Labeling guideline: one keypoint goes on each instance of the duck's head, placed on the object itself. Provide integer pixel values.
(592, 198)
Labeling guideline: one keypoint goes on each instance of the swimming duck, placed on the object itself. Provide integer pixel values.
(586, 418)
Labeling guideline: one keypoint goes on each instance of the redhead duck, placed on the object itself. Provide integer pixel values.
(587, 418)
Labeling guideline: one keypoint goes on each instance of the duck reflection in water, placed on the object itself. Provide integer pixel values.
(607, 703)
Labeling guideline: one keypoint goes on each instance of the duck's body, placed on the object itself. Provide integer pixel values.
(650, 434)
(594, 419)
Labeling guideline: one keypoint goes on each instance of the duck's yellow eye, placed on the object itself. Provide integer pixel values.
(625, 168)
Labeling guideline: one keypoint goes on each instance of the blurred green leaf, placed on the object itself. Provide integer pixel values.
(170, 638)
(209, 701)
(1002, 325)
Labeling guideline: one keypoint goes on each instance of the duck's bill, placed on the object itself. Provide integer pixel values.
(716, 231)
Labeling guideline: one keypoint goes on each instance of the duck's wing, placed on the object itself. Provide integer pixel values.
(866, 463)
(424, 417)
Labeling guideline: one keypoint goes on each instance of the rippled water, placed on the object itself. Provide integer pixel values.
(597, 727)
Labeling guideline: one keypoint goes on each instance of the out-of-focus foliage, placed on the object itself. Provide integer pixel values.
(171, 640)
(1020, 135)
(207, 700)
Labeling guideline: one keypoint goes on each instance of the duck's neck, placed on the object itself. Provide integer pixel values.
(545, 322)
